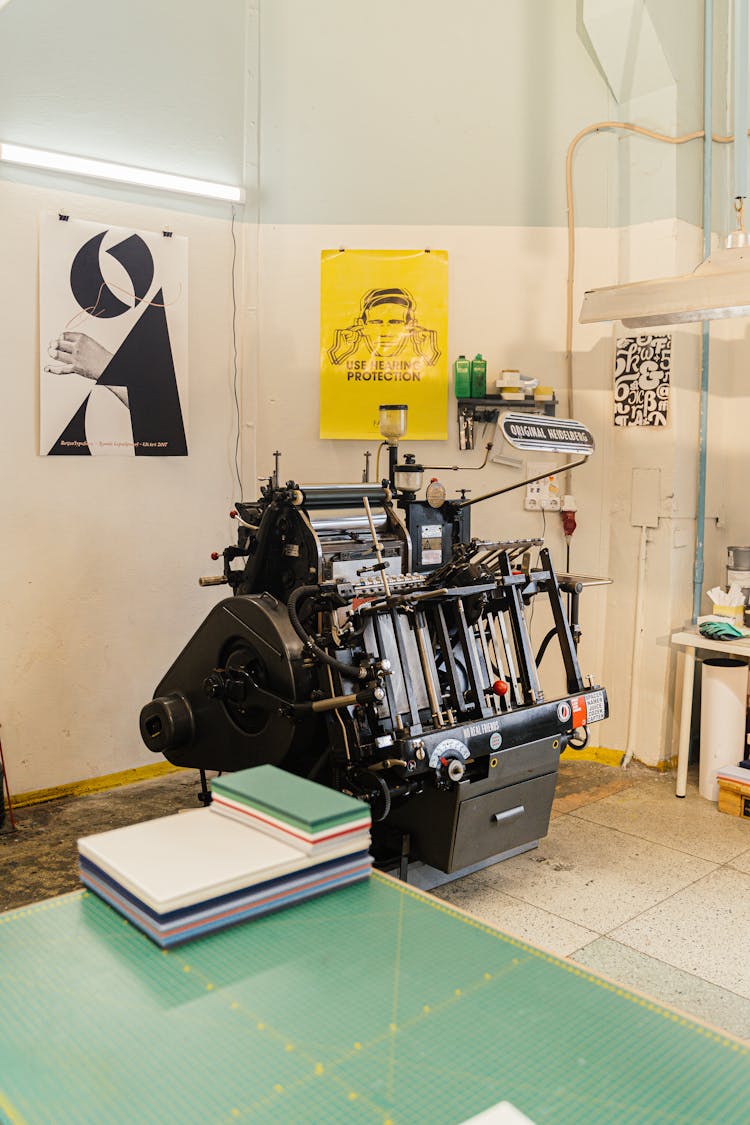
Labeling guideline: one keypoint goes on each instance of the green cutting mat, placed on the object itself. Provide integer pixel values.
(371, 1004)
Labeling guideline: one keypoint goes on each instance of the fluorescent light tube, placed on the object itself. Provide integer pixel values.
(119, 173)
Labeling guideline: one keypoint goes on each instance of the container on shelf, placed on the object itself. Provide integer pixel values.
(462, 377)
(478, 376)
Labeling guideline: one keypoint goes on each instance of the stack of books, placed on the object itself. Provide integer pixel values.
(317, 820)
(269, 839)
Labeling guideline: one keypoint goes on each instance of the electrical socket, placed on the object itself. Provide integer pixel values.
(542, 495)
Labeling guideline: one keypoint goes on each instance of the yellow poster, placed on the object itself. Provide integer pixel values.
(383, 340)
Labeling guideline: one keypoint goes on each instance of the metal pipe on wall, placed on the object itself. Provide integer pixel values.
(637, 645)
(739, 94)
(700, 530)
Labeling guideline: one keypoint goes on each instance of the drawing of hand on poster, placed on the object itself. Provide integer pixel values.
(113, 341)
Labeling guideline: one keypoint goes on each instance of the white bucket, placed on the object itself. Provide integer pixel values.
(723, 710)
(741, 577)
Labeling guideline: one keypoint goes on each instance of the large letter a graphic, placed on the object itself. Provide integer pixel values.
(143, 365)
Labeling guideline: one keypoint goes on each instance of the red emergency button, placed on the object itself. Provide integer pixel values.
(500, 687)
(215, 555)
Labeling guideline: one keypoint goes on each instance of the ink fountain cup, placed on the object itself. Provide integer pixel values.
(392, 419)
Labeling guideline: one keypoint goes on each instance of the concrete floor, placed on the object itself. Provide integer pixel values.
(636, 884)
(40, 858)
(646, 889)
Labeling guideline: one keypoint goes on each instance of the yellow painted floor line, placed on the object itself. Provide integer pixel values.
(612, 758)
(594, 754)
(93, 784)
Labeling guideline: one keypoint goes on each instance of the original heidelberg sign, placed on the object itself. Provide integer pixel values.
(546, 435)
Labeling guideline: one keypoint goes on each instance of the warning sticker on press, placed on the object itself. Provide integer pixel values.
(595, 706)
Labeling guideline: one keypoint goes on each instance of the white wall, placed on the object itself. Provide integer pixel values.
(101, 556)
(464, 152)
(506, 299)
(160, 85)
(426, 111)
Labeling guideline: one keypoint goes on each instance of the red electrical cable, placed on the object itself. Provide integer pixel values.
(7, 789)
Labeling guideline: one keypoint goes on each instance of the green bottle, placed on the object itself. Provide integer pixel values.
(462, 377)
(478, 377)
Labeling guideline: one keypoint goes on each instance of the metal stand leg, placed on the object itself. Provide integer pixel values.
(686, 714)
(4, 785)
(403, 867)
(204, 796)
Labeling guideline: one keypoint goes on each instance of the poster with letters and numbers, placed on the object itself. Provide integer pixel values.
(642, 370)
(383, 340)
(113, 323)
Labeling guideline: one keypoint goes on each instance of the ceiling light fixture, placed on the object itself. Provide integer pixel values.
(118, 173)
(720, 286)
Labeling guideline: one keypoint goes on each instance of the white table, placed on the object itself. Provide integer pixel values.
(691, 640)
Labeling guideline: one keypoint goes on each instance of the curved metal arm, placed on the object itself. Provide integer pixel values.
(522, 483)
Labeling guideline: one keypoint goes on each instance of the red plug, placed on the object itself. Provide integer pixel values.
(569, 523)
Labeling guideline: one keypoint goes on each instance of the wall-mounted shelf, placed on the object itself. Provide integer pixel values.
(488, 409)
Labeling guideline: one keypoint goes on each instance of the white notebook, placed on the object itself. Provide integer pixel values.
(179, 860)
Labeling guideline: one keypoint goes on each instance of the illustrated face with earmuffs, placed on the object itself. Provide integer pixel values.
(386, 328)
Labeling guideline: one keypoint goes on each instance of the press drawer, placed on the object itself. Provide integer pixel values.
(503, 819)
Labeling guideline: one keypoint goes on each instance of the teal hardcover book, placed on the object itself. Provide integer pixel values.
(295, 800)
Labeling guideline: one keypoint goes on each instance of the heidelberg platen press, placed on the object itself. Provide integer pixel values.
(372, 645)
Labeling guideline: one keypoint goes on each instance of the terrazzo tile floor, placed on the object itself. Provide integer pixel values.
(635, 884)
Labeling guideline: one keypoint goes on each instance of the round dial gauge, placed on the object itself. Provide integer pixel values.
(448, 748)
(435, 494)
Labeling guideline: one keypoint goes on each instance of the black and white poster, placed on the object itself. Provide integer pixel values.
(113, 340)
(642, 366)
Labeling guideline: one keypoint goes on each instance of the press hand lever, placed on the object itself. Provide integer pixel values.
(368, 569)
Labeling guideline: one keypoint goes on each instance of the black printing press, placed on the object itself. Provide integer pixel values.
(371, 644)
